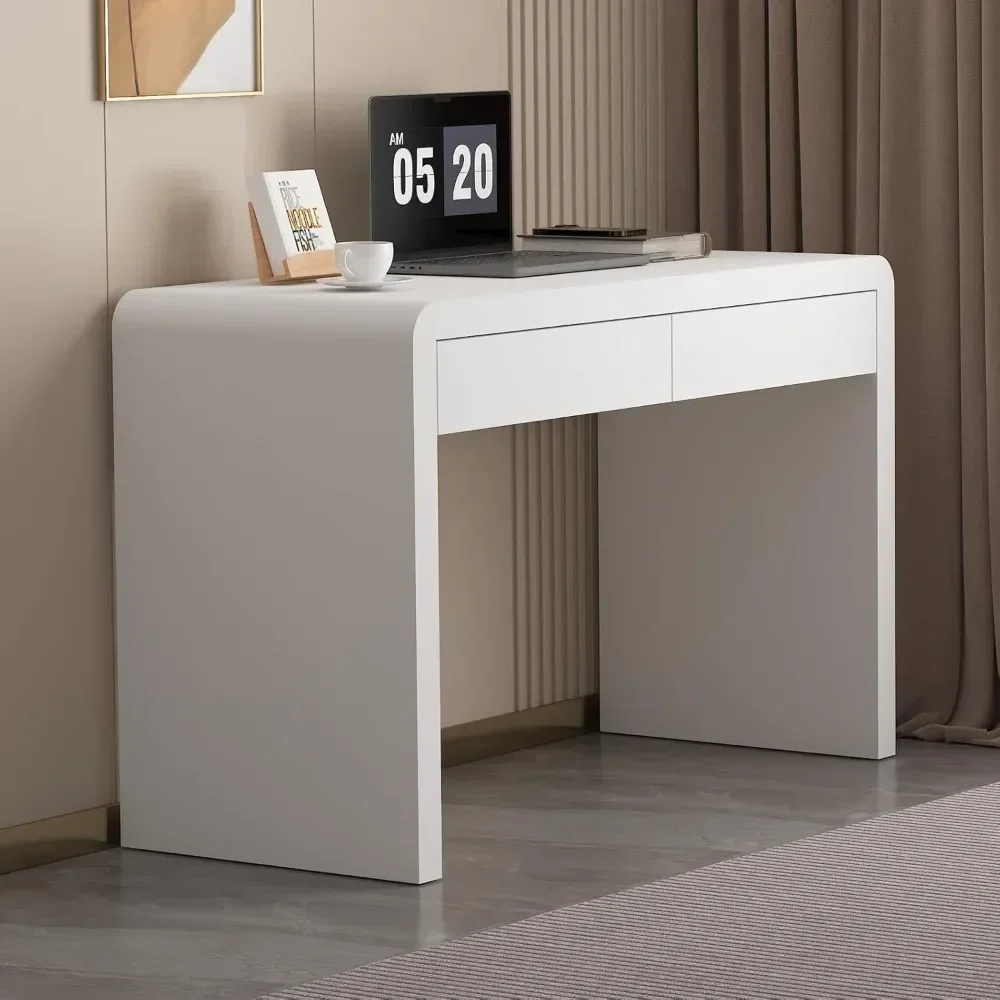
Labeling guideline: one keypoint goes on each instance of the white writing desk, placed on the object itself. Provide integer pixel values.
(277, 531)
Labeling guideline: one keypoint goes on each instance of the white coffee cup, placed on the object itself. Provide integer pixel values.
(364, 261)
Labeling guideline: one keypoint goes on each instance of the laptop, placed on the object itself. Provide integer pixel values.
(441, 189)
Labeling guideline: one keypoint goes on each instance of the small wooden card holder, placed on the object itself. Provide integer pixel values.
(306, 266)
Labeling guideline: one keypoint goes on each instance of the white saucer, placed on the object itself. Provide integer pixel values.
(389, 281)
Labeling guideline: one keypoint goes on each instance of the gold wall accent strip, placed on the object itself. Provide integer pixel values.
(58, 838)
(518, 730)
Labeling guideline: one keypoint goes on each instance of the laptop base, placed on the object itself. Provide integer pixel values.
(516, 264)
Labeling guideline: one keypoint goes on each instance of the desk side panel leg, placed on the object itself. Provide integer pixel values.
(277, 597)
(739, 571)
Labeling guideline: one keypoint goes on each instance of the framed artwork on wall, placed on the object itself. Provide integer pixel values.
(155, 49)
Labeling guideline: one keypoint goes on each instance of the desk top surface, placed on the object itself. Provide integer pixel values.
(442, 308)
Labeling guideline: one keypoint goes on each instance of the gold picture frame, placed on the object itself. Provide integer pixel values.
(150, 50)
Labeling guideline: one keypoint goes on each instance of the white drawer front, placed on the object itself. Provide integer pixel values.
(776, 343)
(515, 378)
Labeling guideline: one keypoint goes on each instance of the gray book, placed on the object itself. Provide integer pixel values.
(658, 246)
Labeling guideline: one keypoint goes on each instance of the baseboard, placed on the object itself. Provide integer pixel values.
(518, 730)
(75, 834)
(59, 838)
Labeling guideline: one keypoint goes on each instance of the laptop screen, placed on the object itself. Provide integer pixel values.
(441, 171)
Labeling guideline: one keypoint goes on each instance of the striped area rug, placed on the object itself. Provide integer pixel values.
(901, 907)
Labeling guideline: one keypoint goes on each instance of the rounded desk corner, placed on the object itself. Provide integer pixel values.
(884, 269)
(424, 327)
(122, 312)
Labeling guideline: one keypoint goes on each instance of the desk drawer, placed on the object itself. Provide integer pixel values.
(775, 343)
(516, 378)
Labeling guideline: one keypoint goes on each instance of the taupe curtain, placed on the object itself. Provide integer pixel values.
(873, 126)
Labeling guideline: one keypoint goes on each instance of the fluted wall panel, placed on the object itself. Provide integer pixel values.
(555, 561)
(588, 78)
(588, 84)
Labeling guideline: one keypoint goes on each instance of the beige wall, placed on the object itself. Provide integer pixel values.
(153, 193)
(101, 199)
(56, 703)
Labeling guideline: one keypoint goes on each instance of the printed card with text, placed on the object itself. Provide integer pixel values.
(291, 214)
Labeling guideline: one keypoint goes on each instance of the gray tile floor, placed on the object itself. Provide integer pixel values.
(525, 833)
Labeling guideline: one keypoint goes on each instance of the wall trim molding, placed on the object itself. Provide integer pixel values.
(59, 838)
(518, 730)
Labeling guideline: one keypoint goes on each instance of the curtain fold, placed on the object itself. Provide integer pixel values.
(873, 126)
(782, 96)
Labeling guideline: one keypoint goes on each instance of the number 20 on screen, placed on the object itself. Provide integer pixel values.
(416, 176)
